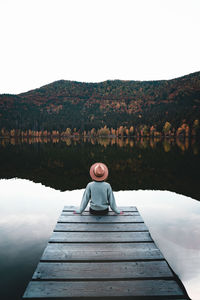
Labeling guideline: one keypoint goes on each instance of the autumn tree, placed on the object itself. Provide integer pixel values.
(112, 131)
(152, 130)
(12, 132)
(121, 131)
(195, 127)
(93, 132)
(143, 129)
(54, 133)
(45, 133)
(131, 131)
(68, 131)
(167, 128)
(104, 131)
(127, 131)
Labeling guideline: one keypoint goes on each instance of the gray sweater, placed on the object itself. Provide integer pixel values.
(100, 195)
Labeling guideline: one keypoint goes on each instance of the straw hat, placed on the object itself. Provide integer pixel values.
(99, 171)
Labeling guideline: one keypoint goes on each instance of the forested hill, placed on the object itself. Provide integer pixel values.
(114, 103)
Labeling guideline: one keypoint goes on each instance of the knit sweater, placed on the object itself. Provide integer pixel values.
(100, 195)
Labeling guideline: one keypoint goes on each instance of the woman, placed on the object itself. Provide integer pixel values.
(98, 192)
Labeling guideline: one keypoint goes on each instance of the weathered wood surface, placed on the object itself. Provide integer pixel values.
(110, 213)
(124, 208)
(101, 251)
(125, 288)
(89, 227)
(102, 237)
(111, 256)
(96, 219)
(106, 270)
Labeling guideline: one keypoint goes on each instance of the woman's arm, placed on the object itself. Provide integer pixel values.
(85, 199)
(111, 200)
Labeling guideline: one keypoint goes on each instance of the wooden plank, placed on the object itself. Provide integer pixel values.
(110, 213)
(100, 227)
(124, 208)
(99, 219)
(98, 252)
(102, 256)
(102, 237)
(57, 289)
(103, 270)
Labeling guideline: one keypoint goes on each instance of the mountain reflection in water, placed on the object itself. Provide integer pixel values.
(29, 211)
(140, 163)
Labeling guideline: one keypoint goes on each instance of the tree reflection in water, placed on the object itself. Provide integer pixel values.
(140, 163)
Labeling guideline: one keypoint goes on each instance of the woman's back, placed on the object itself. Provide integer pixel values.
(99, 195)
(98, 192)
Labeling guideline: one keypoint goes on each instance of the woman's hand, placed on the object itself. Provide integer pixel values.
(121, 213)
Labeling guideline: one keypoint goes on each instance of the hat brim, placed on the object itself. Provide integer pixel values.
(98, 178)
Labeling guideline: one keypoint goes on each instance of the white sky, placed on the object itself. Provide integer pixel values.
(94, 40)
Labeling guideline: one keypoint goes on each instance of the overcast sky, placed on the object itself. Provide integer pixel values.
(94, 40)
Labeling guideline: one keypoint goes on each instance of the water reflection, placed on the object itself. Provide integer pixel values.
(28, 213)
(140, 163)
(148, 142)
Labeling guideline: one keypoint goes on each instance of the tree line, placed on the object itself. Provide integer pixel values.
(184, 130)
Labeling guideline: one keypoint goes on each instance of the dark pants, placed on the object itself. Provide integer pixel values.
(99, 212)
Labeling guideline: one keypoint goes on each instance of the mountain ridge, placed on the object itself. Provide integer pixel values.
(109, 80)
(63, 81)
(101, 82)
(82, 105)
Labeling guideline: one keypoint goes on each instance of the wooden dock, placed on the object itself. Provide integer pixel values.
(103, 257)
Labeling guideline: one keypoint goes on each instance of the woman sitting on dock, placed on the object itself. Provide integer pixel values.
(98, 192)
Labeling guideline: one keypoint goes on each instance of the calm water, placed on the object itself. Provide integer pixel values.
(133, 164)
(53, 174)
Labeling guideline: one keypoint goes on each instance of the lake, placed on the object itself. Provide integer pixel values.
(39, 177)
